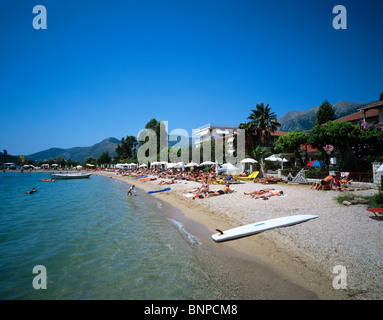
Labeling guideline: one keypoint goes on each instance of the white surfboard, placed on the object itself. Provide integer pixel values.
(257, 227)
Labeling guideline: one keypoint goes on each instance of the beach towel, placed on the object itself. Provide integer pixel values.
(189, 195)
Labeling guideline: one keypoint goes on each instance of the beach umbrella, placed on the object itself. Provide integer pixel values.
(226, 164)
(316, 163)
(271, 158)
(191, 164)
(228, 169)
(179, 165)
(249, 160)
(207, 163)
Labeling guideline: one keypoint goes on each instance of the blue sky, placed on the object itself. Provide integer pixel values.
(105, 68)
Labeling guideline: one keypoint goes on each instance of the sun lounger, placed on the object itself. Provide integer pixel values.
(376, 211)
(252, 175)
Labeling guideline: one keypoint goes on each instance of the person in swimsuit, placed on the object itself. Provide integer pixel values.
(224, 190)
(324, 184)
(258, 191)
(267, 194)
(130, 191)
(32, 191)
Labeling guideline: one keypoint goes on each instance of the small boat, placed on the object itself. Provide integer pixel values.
(74, 175)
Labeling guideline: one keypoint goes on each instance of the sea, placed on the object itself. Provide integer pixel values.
(86, 239)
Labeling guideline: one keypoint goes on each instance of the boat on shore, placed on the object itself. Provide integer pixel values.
(73, 175)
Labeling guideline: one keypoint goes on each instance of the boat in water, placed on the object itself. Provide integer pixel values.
(73, 175)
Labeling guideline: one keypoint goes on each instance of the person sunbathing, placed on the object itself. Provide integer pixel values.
(203, 189)
(226, 189)
(162, 182)
(258, 191)
(267, 195)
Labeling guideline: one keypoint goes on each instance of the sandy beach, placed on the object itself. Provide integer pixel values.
(295, 262)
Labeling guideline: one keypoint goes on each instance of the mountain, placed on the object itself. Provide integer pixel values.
(78, 153)
(305, 120)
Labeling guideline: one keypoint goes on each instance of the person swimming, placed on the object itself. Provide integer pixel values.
(32, 191)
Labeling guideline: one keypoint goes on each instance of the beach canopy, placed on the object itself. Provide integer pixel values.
(275, 158)
(142, 165)
(121, 165)
(316, 163)
(227, 164)
(178, 165)
(207, 163)
(249, 160)
(229, 169)
(191, 164)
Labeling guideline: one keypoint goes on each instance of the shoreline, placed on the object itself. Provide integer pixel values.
(285, 270)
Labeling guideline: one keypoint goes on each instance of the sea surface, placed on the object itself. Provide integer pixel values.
(95, 242)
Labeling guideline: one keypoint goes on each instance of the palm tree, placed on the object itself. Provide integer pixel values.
(263, 123)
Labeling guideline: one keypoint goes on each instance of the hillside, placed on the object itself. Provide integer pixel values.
(78, 153)
(305, 120)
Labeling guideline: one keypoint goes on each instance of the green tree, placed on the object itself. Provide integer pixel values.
(263, 123)
(325, 113)
(292, 143)
(128, 148)
(381, 96)
(104, 158)
(158, 128)
(343, 136)
(259, 153)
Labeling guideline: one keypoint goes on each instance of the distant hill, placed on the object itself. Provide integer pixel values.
(78, 153)
(305, 120)
(82, 153)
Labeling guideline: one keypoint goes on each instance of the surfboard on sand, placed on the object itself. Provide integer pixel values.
(155, 191)
(257, 227)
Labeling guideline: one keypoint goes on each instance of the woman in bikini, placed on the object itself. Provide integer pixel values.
(258, 191)
(267, 194)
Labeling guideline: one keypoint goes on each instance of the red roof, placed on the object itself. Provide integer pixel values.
(373, 105)
(278, 133)
(358, 116)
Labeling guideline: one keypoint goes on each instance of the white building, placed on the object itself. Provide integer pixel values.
(206, 132)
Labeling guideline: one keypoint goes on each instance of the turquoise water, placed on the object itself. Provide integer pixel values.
(95, 243)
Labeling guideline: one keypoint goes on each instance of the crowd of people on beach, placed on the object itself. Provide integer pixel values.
(209, 178)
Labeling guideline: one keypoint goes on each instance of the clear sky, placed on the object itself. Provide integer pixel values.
(105, 68)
